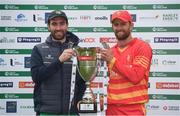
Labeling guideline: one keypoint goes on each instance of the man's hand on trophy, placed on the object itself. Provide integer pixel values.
(66, 55)
(106, 54)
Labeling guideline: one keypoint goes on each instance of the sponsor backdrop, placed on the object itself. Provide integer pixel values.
(23, 24)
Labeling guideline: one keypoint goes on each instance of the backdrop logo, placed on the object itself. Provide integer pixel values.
(159, 6)
(159, 74)
(40, 29)
(170, 17)
(129, 7)
(162, 52)
(72, 18)
(100, 7)
(46, 17)
(10, 96)
(87, 40)
(15, 62)
(12, 7)
(73, 29)
(159, 29)
(37, 17)
(9, 29)
(2, 62)
(26, 84)
(171, 108)
(99, 29)
(40, 7)
(169, 62)
(155, 62)
(133, 17)
(159, 97)
(28, 39)
(20, 17)
(6, 18)
(152, 107)
(167, 85)
(2, 108)
(11, 73)
(6, 84)
(27, 61)
(6, 40)
(166, 39)
(85, 17)
(107, 39)
(70, 7)
(11, 106)
(11, 51)
(26, 107)
(164, 107)
(149, 17)
(101, 18)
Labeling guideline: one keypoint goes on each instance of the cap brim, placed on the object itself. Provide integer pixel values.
(58, 16)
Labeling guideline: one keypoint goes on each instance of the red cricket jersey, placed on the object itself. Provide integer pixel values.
(129, 71)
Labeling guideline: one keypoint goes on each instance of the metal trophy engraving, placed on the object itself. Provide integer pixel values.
(87, 67)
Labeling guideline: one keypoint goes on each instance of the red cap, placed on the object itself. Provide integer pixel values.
(122, 15)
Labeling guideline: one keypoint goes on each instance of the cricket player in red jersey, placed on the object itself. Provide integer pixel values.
(129, 66)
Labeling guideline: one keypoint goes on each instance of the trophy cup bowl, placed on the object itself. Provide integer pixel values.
(87, 67)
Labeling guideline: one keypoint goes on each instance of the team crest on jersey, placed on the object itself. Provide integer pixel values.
(49, 57)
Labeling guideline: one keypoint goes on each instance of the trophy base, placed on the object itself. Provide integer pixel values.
(87, 107)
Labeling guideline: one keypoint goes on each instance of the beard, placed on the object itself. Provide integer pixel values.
(58, 35)
(122, 35)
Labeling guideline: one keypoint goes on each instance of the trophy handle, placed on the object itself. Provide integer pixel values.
(76, 51)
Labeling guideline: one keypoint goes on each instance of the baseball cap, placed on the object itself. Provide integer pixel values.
(57, 13)
(123, 15)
